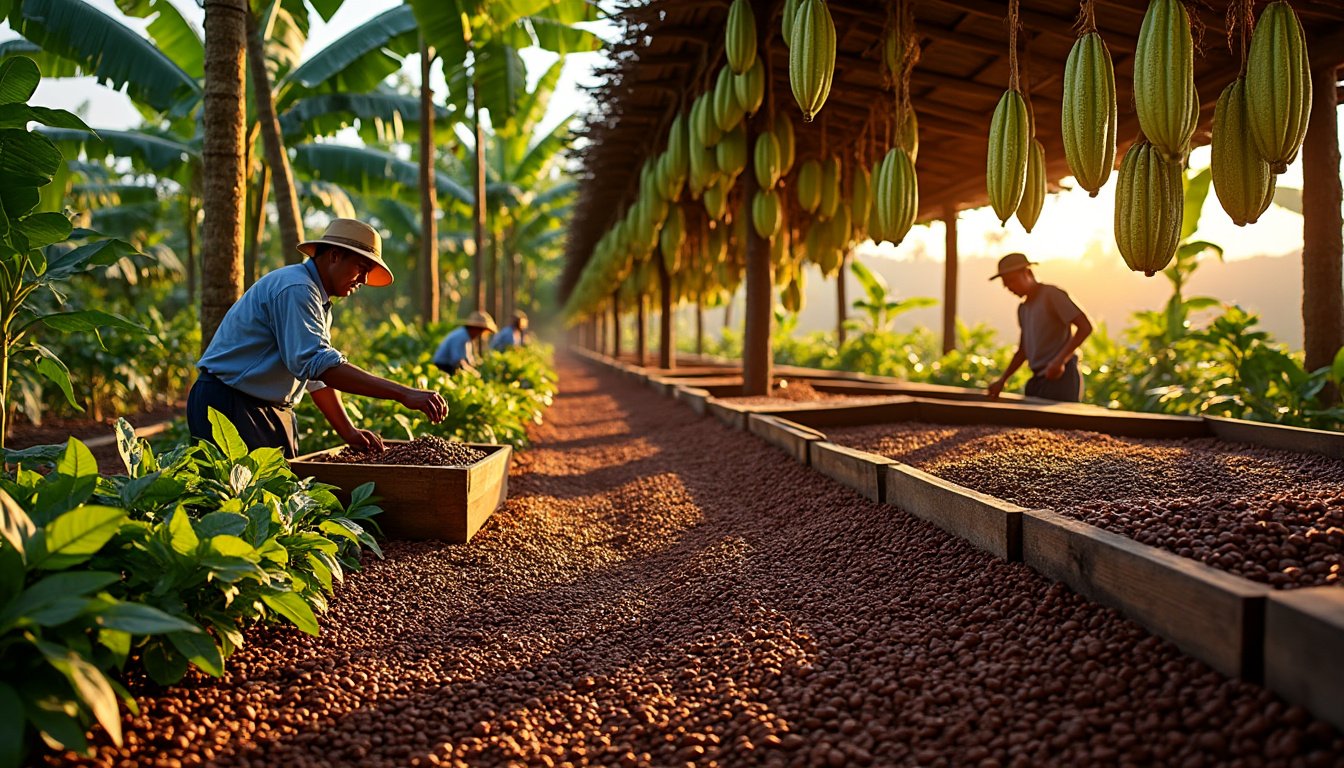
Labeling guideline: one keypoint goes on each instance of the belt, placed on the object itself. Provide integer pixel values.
(206, 375)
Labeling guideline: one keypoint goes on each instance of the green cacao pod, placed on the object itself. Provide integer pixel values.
(787, 19)
(875, 223)
(812, 57)
(678, 147)
(670, 239)
(1242, 179)
(809, 186)
(740, 39)
(1149, 208)
(731, 152)
(783, 131)
(898, 195)
(1278, 86)
(727, 111)
(704, 123)
(1009, 145)
(1164, 79)
(1088, 117)
(750, 87)
(704, 169)
(1033, 194)
(716, 243)
(765, 160)
(792, 295)
(860, 200)
(765, 214)
(715, 198)
(830, 188)
(910, 135)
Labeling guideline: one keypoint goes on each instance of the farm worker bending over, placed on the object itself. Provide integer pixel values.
(276, 342)
(515, 335)
(1053, 327)
(454, 352)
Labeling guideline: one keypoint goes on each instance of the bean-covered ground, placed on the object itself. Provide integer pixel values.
(1272, 516)
(660, 590)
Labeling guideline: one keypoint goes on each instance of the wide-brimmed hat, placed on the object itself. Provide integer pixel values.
(358, 237)
(1011, 263)
(480, 320)
(520, 319)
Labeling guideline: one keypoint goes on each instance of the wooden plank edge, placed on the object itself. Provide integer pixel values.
(1304, 634)
(1279, 436)
(793, 439)
(864, 472)
(988, 522)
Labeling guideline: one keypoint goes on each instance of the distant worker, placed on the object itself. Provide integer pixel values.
(275, 342)
(515, 335)
(1052, 328)
(454, 353)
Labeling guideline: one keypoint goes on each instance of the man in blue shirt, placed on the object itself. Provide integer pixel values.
(275, 343)
(515, 335)
(454, 353)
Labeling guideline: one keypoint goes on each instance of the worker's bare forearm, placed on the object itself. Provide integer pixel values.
(328, 401)
(1083, 329)
(1019, 357)
(357, 381)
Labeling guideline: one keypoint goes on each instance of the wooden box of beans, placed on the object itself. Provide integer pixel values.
(429, 488)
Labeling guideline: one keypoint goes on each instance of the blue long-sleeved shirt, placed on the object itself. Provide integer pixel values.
(507, 337)
(454, 350)
(276, 340)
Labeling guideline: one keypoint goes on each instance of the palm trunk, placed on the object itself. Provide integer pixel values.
(282, 178)
(222, 161)
(492, 277)
(189, 203)
(840, 301)
(477, 277)
(257, 221)
(429, 195)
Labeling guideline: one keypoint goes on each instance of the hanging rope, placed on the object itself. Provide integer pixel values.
(1013, 22)
(1087, 18)
(1240, 21)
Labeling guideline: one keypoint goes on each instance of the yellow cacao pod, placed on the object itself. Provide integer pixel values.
(910, 135)
(750, 87)
(649, 186)
(860, 200)
(1088, 117)
(715, 197)
(1009, 142)
(731, 152)
(1242, 179)
(875, 224)
(727, 112)
(783, 131)
(1164, 79)
(671, 238)
(809, 186)
(792, 296)
(812, 57)
(781, 257)
(1149, 208)
(678, 147)
(740, 39)
(830, 188)
(1033, 195)
(788, 18)
(765, 160)
(704, 123)
(1278, 85)
(893, 50)
(704, 169)
(765, 214)
(716, 243)
(898, 195)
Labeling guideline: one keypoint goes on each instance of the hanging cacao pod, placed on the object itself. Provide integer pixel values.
(1033, 194)
(812, 57)
(727, 111)
(765, 160)
(750, 88)
(1009, 145)
(830, 188)
(1088, 117)
(1242, 179)
(1278, 86)
(740, 39)
(1164, 79)
(808, 185)
(1149, 208)
(765, 214)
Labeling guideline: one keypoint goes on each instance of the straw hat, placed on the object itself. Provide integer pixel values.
(480, 320)
(354, 235)
(520, 319)
(1011, 263)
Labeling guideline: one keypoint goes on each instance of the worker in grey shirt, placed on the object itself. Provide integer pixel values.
(275, 343)
(1053, 327)
(454, 352)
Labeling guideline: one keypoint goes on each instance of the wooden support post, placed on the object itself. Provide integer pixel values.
(615, 326)
(1322, 247)
(667, 352)
(641, 340)
(699, 324)
(756, 353)
(840, 303)
(600, 325)
(950, 282)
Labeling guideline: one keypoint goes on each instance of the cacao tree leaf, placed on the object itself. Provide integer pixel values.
(140, 619)
(294, 608)
(200, 650)
(77, 461)
(27, 159)
(74, 536)
(1337, 369)
(19, 77)
(226, 436)
(43, 229)
(12, 722)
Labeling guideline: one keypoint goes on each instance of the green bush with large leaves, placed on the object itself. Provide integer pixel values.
(163, 567)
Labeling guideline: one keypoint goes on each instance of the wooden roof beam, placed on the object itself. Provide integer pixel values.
(1055, 26)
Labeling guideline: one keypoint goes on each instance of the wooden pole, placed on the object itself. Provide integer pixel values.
(641, 340)
(429, 197)
(1322, 246)
(756, 353)
(615, 326)
(841, 305)
(699, 324)
(667, 352)
(950, 282)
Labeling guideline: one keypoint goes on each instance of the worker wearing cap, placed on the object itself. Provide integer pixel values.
(275, 342)
(515, 335)
(454, 353)
(1052, 327)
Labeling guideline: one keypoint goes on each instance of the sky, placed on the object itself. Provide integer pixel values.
(1071, 225)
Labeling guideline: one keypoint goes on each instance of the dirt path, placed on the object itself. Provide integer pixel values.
(661, 590)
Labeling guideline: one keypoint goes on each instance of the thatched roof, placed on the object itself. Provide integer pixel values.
(672, 50)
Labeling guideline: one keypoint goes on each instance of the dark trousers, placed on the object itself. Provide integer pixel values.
(261, 424)
(1067, 388)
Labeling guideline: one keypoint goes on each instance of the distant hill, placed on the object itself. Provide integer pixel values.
(1270, 286)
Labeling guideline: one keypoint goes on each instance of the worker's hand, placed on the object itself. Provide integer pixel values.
(428, 402)
(364, 440)
(995, 389)
(1055, 370)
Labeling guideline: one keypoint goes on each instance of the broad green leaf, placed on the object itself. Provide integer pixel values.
(226, 436)
(325, 114)
(55, 371)
(200, 650)
(140, 619)
(117, 643)
(181, 535)
(77, 461)
(57, 598)
(43, 229)
(178, 39)
(501, 80)
(90, 684)
(37, 455)
(1196, 190)
(221, 524)
(334, 67)
(163, 662)
(12, 723)
(15, 525)
(1337, 368)
(240, 477)
(11, 574)
(128, 446)
(371, 172)
(109, 50)
(18, 80)
(152, 152)
(18, 201)
(294, 608)
(561, 38)
(51, 64)
(326, 8)
(101, 253)
(20, 115)
(75, 536)
(27, 159)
